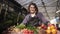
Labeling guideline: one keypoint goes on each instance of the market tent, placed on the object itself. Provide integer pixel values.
(49, 11)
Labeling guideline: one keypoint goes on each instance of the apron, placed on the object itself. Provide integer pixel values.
(34, 21)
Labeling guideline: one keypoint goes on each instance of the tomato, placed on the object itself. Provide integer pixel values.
(49, 25)
(45, 27)
(31, 32)
(25, 31)
(42, 25)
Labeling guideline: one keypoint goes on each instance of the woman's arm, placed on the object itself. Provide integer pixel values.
(26, 19)
(43, 18)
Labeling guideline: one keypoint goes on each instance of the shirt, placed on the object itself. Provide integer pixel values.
(39, 15)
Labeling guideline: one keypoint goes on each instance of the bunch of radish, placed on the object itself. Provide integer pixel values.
(26, 31)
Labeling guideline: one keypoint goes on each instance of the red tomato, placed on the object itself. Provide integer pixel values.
(25, 31)
(31, 32)
(49, 25)
(42, 25)
(45, 27)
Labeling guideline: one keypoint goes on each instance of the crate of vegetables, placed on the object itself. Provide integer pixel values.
(27, 29)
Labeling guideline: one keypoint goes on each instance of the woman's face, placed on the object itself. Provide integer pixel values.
(32, 9)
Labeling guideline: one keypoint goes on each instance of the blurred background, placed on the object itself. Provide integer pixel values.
(14, 11)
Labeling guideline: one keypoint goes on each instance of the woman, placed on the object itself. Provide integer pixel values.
(33, 13)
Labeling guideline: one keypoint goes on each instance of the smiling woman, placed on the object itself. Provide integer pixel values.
(33, 13)
(32, 8)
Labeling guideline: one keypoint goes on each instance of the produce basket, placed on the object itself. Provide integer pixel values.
(27, 29)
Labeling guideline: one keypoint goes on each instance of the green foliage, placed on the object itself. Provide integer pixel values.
(21, 26)
(29, 27)
(21, 17)
(9, 20)
(32, 28)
